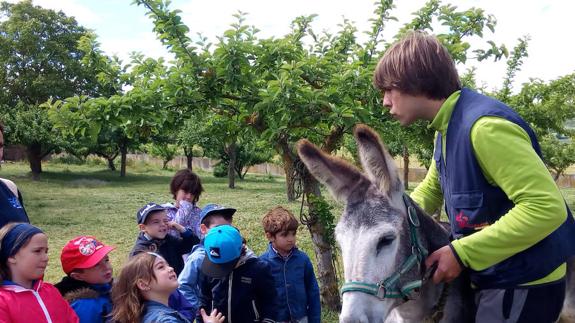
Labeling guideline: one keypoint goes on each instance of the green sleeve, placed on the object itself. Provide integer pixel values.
(504, 152)
(428, 193)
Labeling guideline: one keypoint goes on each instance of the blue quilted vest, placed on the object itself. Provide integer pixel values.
(11, 208)
(472, 203)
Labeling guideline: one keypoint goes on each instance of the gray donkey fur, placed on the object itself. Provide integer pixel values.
(373, 234)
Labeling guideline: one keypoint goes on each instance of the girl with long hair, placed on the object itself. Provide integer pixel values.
(142, 290)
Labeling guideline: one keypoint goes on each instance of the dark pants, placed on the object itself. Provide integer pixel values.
(539, 304)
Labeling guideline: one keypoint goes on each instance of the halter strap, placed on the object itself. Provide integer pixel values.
(388, 287)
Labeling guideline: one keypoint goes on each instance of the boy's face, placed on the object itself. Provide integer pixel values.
(283, 241)
(215, 220)
(156, 225)
(101, 273)
(405, 108)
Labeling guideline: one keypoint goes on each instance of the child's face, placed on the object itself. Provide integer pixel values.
(101, 273)
(283, 241)
(30, 262)
(406, 108)
(215, 220)
(166, 279)
(156, 225)
(182, 195)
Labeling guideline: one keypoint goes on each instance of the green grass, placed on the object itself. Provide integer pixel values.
(72, 200)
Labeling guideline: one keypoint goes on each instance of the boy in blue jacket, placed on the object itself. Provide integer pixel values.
(212, 215)
(295, 282)
(88, 278)
(235, 281)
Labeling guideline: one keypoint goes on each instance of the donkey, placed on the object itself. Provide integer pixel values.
(384, 239)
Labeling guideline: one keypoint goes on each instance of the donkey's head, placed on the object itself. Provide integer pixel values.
(373, 231)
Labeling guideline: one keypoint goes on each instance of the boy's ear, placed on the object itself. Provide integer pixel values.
(270, 236)
(203, 229)
(11, 260)
(76, 275)
(142, 227)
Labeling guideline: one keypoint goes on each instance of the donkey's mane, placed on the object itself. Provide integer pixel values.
(435, 233)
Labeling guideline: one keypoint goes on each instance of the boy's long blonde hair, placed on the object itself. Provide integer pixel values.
(126, 296)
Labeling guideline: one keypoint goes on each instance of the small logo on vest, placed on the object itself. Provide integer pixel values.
(462, 222)
(15, 203)
(246, 280)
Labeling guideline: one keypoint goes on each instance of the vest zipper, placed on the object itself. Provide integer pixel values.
(255, 310)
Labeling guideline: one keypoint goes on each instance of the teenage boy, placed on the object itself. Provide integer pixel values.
(88, 279)
(235, 281)
(154, 225)
(511, 227)
(295, 282)
(211, 216)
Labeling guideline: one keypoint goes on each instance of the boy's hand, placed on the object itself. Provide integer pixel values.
(214, 317)
(175, 225)
(448, 268)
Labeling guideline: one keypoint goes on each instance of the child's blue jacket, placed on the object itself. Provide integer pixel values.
(296, 286)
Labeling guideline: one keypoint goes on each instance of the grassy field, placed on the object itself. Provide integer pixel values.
(72, 200)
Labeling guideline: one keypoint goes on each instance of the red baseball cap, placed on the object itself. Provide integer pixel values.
(83, 252)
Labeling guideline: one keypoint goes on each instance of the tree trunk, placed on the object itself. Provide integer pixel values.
(405, 168)
(327, 279)
(189, 157)
(111, 165)
(35, 159)
(189, 160)
(289, 173)
(231, 168)
(556, 175)
(165, 164)
(123, 153)
(288, 158)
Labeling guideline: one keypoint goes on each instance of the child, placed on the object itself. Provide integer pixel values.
(24, 297)
(154, 224)
(89, 278)
(186, 188)
(142, 290)
(240, 283)
(212, 215)
(295, 281)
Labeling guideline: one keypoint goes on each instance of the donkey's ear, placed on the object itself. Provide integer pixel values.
(376, 161)
(342, 179)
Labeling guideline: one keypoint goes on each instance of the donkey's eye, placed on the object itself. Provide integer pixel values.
(384, 241)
